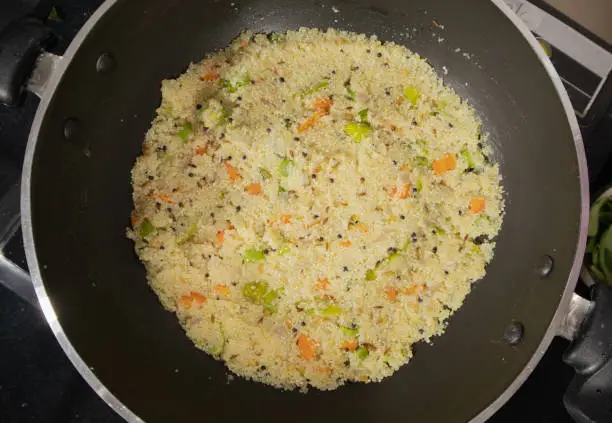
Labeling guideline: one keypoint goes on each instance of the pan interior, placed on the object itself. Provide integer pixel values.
(81, 202)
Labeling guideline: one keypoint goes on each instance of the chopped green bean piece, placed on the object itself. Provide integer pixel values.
(251, 255)
(232, 88)
(188, 234)
(370, 275)
(255, 291)
(265, 174)
(243, 83)
(350, 332)
(284, 250)
(260, 293)
(393, 256)
(146, 228)
(317, 87)
(224, 117)
(422, 143)
(422, 161)
(357, 130)
(440, 231)
(412, 94)
(218, 350)
(362, 353)
(274, 37)
(331, 310)
(363, 115)
(269, 301)
(465, 153)
(227, 85)
(185, 132)
(284, 167)
(406, 244)
(419, 185)
(351, 94)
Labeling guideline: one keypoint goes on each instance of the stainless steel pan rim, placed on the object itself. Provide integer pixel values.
(88, 373)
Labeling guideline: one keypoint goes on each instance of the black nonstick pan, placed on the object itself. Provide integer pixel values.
(98, 101)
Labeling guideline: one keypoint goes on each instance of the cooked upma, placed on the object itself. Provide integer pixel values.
(312, 204)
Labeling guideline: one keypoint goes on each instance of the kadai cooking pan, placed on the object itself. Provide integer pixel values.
(98, 100)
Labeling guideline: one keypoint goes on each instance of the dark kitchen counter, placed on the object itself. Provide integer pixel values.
(37, 382)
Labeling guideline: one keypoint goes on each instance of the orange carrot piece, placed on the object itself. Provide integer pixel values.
(307, 347)
(164, 197)
(361, 227)
(446, 163)
(325, 370)
(401, 192)
(133, 220)
(222, 289)
(200, 151)
(308, 123)
(220, 238)
(405, 167)
(244, 43)
(232, 172)
(186, 301)
(346, 243)
(323, 284)
(349, 345)
(322, 105)
(391, 293)
(210, 76)
(477, 205)
(285, 218)
(253, 189)
(414, 289)
(198, 298)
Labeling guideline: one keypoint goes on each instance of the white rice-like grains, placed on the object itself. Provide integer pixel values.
(298, 251)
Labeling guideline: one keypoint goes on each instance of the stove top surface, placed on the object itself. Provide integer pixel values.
(38, 382)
